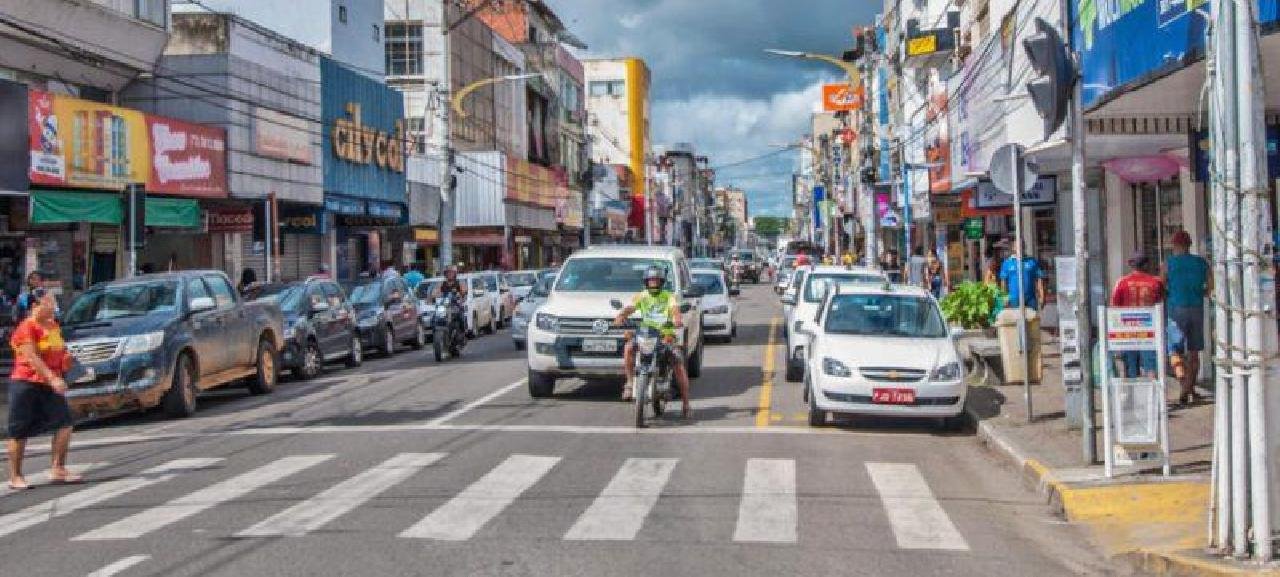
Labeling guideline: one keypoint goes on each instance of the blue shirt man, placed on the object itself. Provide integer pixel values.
(413, 277)
(1030, 283)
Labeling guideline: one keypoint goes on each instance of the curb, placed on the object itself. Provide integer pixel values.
(1148, 561)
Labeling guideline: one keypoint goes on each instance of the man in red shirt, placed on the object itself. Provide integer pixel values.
(1138, 289)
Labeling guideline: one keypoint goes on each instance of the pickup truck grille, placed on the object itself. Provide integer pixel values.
(892, 374)
(586, 326)
(94, 351)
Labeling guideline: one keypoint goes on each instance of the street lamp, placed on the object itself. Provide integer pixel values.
(468, 89)
(850, 69)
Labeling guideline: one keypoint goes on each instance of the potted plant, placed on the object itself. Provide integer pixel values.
(972, 305)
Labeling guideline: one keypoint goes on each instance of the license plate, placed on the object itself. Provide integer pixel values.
(599, 345)
(893, 396)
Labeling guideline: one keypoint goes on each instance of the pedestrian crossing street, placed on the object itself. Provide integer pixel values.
(767, 509)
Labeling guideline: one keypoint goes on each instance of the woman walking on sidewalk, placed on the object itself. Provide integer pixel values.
(37, 401)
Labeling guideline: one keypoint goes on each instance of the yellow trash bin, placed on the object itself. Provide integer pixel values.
(1010, 354)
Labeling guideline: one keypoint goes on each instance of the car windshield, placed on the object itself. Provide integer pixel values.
(123, 300)
(598, 274)
(288, 296)
(427, 288)
(744, 256)
(543, 288)
(710, 283)
(367, 293)
(490, 282)
(704, 263)
(521, 278)
(818, 282)
(884, 315)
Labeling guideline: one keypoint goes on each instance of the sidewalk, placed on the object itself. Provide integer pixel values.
(1158, 525)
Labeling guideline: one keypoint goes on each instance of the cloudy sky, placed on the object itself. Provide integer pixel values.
(714, 86)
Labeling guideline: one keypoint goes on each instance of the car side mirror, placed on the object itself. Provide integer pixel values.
(616, 304)
(686, 307)
(788, 299)
(201, 304)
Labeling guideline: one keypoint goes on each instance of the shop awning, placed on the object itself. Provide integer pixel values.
(173, 212)
(64, 206)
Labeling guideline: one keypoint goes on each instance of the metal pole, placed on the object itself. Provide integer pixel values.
(1252, 186)
(443, 89)
(269, 237)
(1219, 71)
(1079, 216)
(133, 230)
(1024, 344)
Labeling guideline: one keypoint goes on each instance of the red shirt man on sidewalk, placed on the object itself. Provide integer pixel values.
(1138, 289)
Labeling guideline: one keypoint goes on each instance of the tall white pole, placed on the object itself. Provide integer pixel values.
(1251, 191)
(1079, 219)
(1220, 71)
(1024, 344)
(444, 89)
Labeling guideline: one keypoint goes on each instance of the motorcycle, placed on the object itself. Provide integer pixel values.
(735, 278)
(449, 334)
(653, 374)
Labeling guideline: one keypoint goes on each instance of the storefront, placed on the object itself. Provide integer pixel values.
(365, 186)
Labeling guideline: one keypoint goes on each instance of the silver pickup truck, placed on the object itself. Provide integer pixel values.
(160, 339)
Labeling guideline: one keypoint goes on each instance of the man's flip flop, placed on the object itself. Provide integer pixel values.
(13, 487)
(71, 479)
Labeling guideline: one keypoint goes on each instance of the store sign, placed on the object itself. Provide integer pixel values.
(362, 128)
(281, 136)
(230, 220)
(1044, 192)
(922, 45)
(974, 228)
(354, 142)
(426, 235)
(187, 159)
(302, 220)
(85, 144)
(840, 97)
(947, 212)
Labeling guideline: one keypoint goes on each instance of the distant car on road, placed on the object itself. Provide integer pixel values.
(719, 314)
(387, 315)
(319, 325)
(504, 303)
(706, 263)
(804, 300)
(160, 339)
(521, 282)
(882, 351)
(529, 307)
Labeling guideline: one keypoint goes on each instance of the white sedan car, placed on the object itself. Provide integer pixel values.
(719, 315)
(882, 351)
(804, 298)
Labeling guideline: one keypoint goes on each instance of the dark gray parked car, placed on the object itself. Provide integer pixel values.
(319, 325)
(160, 339)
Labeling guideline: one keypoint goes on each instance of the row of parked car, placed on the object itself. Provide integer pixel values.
(161, 339)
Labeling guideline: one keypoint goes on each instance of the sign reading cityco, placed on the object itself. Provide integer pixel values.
(354, 142)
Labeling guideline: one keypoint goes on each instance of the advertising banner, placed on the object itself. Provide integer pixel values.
(85, 144)
(1125, 44)
(281, 136)
(186, 159)
(839, 97)
(230, 219)
(1132, 329)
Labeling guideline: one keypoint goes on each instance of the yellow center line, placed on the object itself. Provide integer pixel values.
(766, 386)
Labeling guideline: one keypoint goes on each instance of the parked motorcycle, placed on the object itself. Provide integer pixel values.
(450, 335)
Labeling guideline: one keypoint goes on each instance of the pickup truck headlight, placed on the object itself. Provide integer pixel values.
(948, 372)
(548, 322)
(720, 310)
(143, 343)
(835, 368)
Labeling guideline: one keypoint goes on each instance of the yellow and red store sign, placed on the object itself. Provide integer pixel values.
(841, 97)
(85, 144)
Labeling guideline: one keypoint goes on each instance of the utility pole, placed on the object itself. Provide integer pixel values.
(443, 88)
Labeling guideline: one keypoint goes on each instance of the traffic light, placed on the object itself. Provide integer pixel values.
(1055, 75)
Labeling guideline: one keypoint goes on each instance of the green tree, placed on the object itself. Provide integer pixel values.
(772, 226)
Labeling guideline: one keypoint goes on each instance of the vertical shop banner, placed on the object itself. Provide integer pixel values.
(13, 136)
(937, 150)
(85, 144)
(1125, 44)
(187, 159)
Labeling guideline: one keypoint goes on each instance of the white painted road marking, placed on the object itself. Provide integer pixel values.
(340, 499)
(620, 510)
(187, 505)
(96, 493)
(42, 478)
(119, 566)
(476, 403)
(475, 506)
(767, 512)
(917, 519)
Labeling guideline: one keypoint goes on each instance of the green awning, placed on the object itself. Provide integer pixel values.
(62, 206)
(173, 212)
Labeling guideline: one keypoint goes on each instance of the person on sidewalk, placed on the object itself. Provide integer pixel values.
(1188, 279)
(1138, 289)
(935, 276)
(37, 401)
(1030, 283)
(915, 268)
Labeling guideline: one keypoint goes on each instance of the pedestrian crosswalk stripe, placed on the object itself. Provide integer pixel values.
(340, 499)
(192, 503)
(767, 510)
(469, 511)
(620, 510)
(917, 519)
(42, 478)
(96, 493)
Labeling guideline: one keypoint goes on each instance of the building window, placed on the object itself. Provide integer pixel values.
(599, 88)
(342, 14)
(377, 33)
(404, 49)
(608, 87)
(150, 10)
(617, 88)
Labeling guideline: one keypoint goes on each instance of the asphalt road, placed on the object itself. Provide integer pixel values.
(409, 467)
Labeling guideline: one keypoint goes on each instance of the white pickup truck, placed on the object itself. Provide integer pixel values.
(572, 334)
